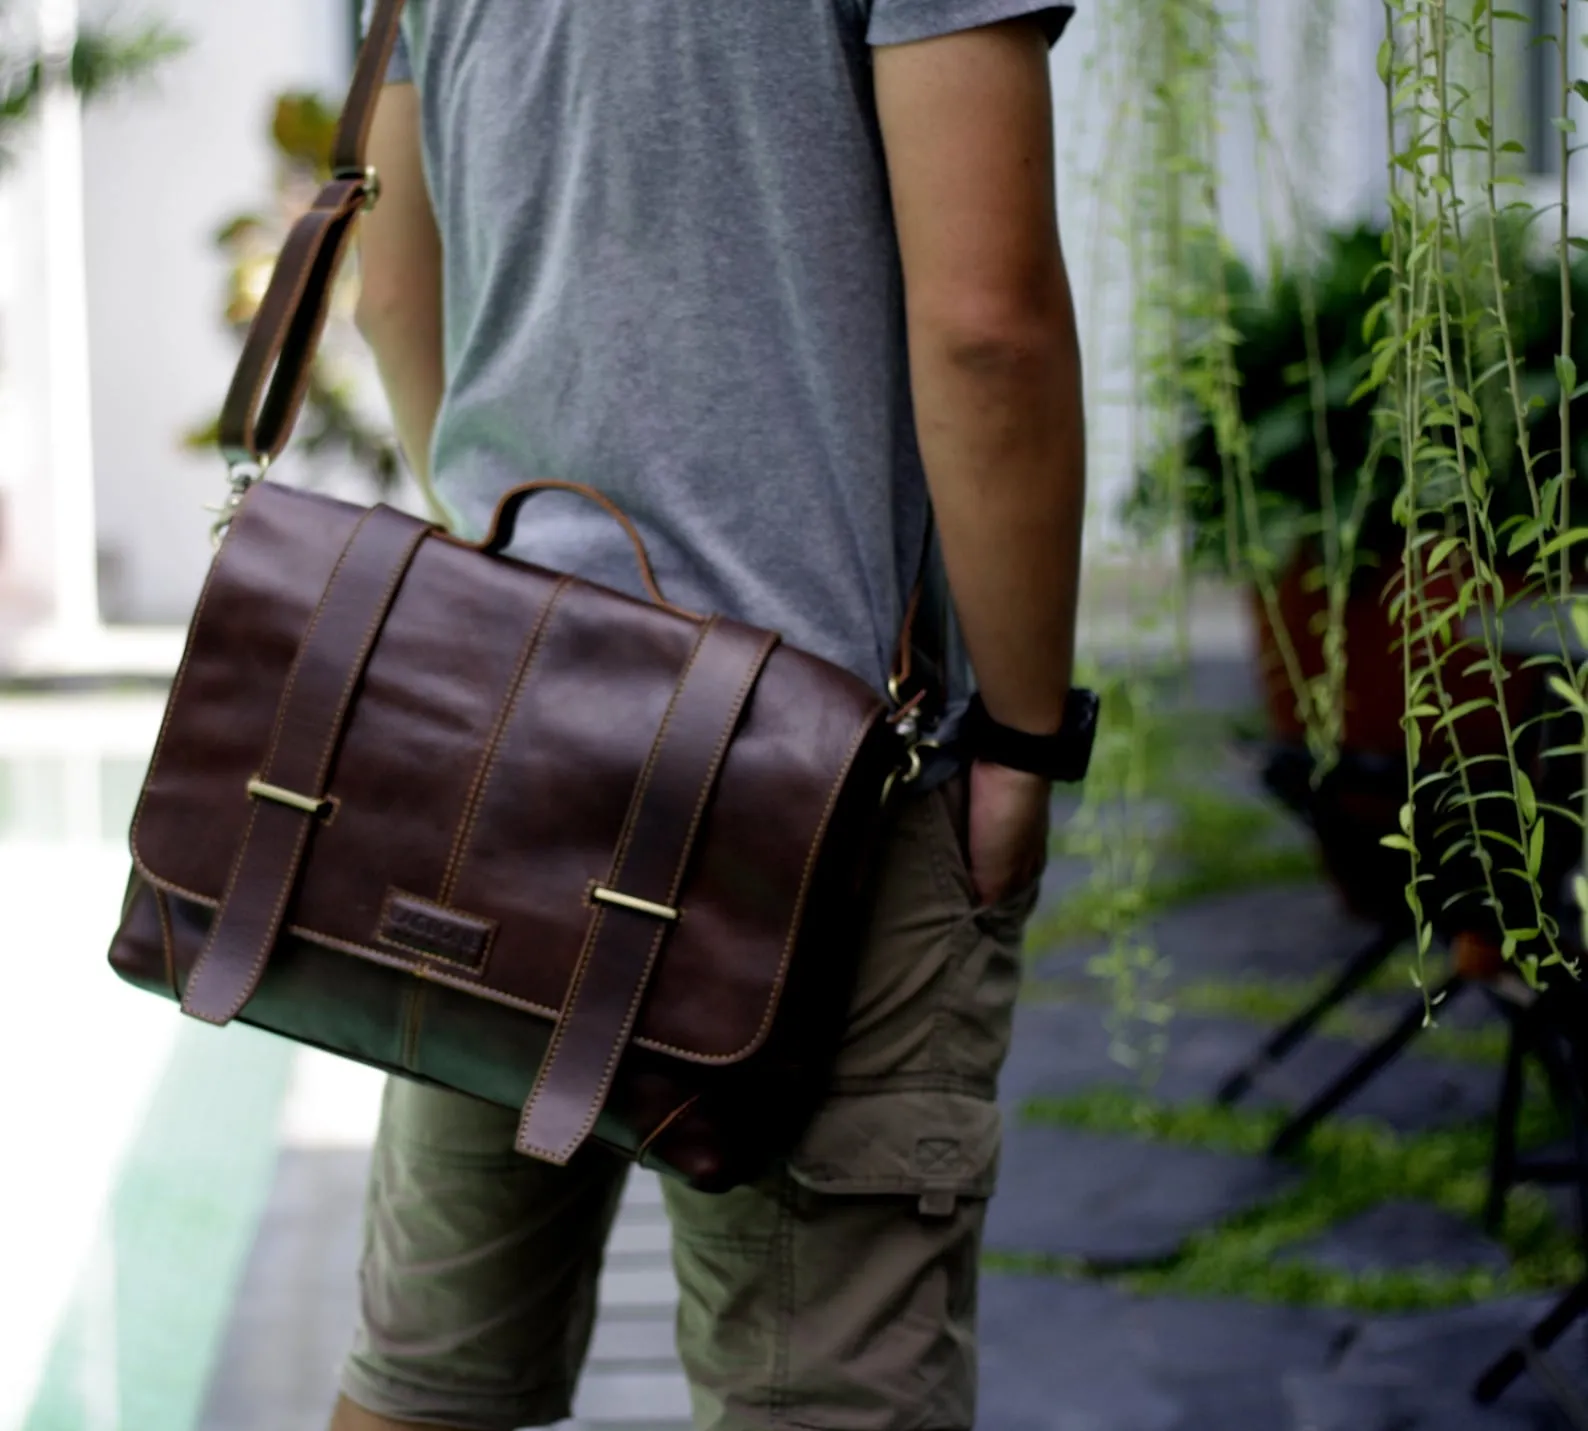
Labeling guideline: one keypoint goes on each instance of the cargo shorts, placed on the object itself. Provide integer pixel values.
(839, 1292)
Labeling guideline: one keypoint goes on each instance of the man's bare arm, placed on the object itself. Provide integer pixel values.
(399, 308)
(968, 125)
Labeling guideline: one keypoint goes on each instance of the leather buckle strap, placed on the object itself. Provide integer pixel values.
(637, 906)
(314, 709)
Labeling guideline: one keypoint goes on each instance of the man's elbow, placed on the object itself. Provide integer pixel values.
(997, 339)
(384, 310)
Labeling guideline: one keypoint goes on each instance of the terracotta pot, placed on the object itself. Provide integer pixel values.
(1375, 678)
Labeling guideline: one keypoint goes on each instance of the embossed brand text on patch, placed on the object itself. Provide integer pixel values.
(412, 924)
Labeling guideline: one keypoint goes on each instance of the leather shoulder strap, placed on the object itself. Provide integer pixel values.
(633, 912)
(288, 793)
(257, 420)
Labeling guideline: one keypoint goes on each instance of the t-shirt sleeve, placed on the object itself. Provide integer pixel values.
(401, 69)
(897, 22)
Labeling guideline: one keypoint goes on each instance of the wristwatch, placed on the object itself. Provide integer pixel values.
(1064, 756)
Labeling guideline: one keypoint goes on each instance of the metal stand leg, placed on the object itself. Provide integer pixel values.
(1492, 1384)
(1384, 1052)
(1363, 965)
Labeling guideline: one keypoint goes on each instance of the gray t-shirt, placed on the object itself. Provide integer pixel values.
(671, 272)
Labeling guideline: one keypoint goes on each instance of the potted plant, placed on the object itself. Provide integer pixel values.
(1302, 344)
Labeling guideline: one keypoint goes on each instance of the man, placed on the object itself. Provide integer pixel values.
(765, 272)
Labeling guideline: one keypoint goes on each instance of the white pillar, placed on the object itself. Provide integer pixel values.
(68, 419)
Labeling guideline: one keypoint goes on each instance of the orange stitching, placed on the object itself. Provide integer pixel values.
(576, 983)
(313, 226)
(664, 1125)
(167, 940)
(489, 758)
(361, 659)
(620, 1043)
(714, 769)
(275, 740)
(294, 863)
(210, 580)
(642, 787)
(512, 1001)
(799, 906)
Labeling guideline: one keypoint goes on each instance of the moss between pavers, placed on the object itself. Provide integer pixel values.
(1347, 1167)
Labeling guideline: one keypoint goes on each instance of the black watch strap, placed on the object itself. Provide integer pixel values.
(1061, 757)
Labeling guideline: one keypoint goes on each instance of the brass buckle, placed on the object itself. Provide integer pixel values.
(618, 900)
(906, 719)
(369, 177)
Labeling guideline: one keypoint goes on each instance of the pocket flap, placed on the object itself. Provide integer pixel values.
(915, 1143)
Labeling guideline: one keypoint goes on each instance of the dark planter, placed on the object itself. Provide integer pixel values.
(1360, 803)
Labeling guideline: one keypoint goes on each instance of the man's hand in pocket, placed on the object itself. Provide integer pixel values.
(1008, 836)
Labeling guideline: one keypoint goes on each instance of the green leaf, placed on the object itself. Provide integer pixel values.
(1460, 712)
(1564, 540)
(1579, 619)
(1526, 798)
(1445, 547)
(1568, 693)
(1566, 371)
(1386, 61)
(1399, 842)
(1535, 851)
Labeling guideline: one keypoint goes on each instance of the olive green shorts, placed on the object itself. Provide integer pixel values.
(839, 1292)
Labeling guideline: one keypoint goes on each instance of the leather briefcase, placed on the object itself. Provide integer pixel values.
(488, 826)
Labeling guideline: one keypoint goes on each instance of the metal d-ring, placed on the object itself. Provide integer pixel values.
(242, 475)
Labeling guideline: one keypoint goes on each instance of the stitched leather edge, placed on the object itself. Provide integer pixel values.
(211, 578)
(490, 757)
(167, 939)
(598, 921)
(327, 753)
(708, 786)
(495, 996)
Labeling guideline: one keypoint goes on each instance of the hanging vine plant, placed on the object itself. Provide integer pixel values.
(1379, 436)
(1489, 449)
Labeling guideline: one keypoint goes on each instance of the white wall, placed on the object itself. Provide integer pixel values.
(163, 169)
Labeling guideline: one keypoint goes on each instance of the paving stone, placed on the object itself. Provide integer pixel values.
(1116, 1201)
(1403, 1235)
(1392, 1403)
(652, 1286)
(635, 1235)
(1052, 1359)
(634, 1339)
(643, 1189)
(1437, 1348)
(1291, 932)
(629, 1397)
(1084, 1357)
(1062, 1049)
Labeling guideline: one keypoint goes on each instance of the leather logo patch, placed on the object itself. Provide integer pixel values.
(420, 927)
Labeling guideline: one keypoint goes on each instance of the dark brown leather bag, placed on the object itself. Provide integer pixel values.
(492, 827)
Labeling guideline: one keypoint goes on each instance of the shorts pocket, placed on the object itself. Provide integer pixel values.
(934, 1146)
(888, 1200)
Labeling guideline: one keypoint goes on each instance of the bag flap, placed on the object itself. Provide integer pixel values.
(484, 781)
